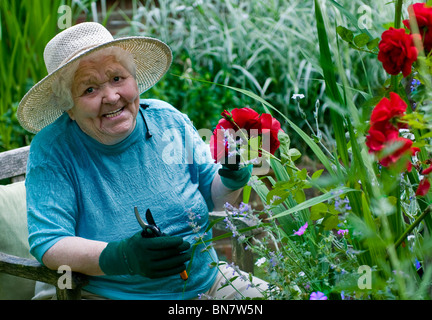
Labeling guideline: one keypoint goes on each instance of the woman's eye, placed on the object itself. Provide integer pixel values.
(116, 79)
(89, 90)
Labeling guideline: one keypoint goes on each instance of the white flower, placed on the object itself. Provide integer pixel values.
(260, 261)
(297, 96)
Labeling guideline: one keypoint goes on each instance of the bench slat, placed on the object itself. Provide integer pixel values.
(13, 162)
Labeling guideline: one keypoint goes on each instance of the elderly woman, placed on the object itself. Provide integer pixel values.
(99, 152)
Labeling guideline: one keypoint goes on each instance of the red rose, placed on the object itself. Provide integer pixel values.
(379, 134)
(384, 126)
(423, 17)
(384, 131)
(397, 51)
(272, 126)
(405, 149)
(246, 119)
(387, 109)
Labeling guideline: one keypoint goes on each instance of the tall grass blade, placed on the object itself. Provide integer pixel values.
(311, 202)
(331, 85)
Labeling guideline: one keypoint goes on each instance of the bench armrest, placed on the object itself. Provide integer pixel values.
(33, 270)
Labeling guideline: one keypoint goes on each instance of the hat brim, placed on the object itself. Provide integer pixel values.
(152, 58)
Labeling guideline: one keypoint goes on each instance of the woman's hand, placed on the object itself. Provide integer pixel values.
(150, 257)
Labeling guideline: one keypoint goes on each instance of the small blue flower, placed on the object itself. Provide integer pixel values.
(417, 264)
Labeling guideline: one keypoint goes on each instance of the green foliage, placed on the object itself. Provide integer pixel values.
(25, 28)
(365, 217)
(359, 41)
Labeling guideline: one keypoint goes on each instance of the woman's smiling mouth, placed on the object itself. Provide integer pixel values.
(114, 113)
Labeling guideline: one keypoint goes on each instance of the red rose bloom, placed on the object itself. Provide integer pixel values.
(384, 126)
(397, 51)
(405, 149)
(387, 109)
(379, 134)
(384, 131)
(243, 119)
(422, 15)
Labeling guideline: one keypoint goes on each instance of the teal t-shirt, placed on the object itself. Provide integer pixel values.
(77, 186)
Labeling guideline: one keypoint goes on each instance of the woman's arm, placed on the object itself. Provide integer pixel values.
(221, 194)
(81, 255)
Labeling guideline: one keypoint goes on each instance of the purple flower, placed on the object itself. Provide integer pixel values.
(301, 230)
(342, 231)
(317, 296)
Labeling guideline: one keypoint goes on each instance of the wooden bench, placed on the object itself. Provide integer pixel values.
(13, 166)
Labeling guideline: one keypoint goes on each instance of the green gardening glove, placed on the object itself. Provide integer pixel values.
(150, 257)
(233, 177)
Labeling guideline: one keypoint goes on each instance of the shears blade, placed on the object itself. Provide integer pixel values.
(149, 230)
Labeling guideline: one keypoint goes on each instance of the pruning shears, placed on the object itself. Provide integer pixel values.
(151, 230)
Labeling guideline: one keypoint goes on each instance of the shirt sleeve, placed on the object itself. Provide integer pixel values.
(51, 199)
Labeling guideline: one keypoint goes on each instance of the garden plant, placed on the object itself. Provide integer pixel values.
(367, 235)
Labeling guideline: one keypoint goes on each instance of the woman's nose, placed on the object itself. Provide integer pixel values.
(111, 96)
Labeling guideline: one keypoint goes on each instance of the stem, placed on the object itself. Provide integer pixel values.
(397, 25)
(412, 226)
(398, 14)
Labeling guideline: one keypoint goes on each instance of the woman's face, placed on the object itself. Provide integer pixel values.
(106, 100)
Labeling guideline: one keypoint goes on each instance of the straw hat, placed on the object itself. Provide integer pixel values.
(38, 109)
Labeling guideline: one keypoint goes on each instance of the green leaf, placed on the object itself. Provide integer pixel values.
(351, 17)
(361, 40)
(300, 196)
(345, 34)
(282, 194)
(317, 174)
(302, 174)
(373, 43)
(294, 154)
(330, 222)
(246, 193)
(318, 211)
